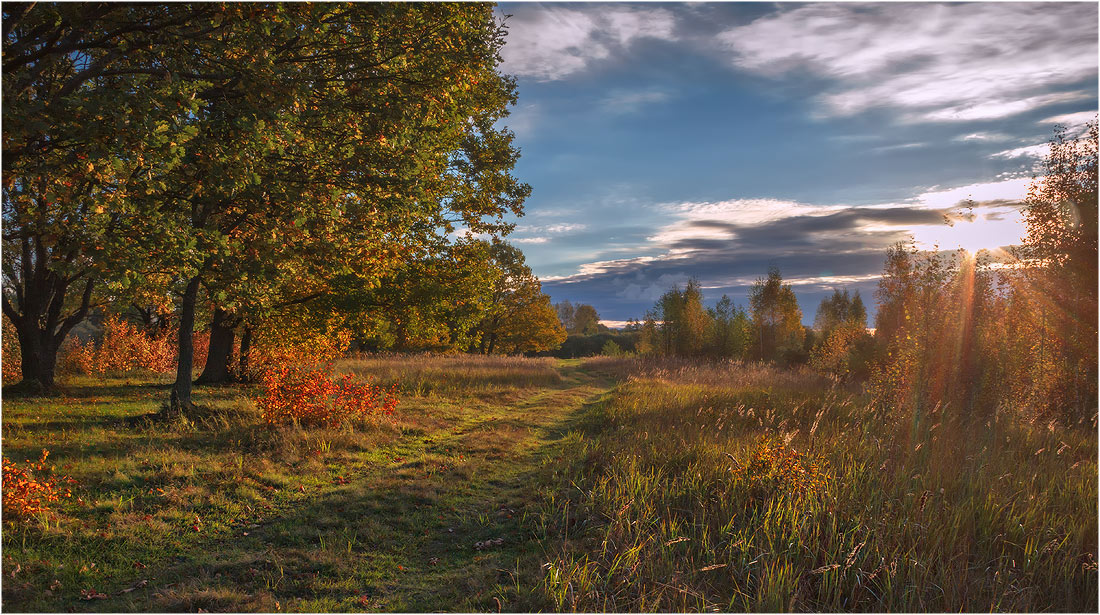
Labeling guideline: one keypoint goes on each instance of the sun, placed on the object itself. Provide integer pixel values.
(989, 231)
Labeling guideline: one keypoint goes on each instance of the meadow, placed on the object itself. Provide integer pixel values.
(607, 484)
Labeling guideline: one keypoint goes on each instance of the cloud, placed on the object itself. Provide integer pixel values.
(1028, 151)
(631, 101)
(983, 136)
(706, 221)
(933, 62)
(548, 43)
(554, 229)
(1009, 190)
(727, 245)
(531, 240)
(1075, 123)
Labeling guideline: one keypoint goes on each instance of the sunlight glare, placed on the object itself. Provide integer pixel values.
(983, 233)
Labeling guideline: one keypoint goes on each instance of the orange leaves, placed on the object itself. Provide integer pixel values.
(773, 469)
(125, 348)
(310, 396)
(25, 494)
(10, 361)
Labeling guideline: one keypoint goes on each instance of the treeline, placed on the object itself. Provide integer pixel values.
(267, 171)
(770, 330)
(978, 334)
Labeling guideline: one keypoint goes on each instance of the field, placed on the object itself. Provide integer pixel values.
(537, 484)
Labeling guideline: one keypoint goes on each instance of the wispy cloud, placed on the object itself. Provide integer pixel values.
(1004, 191)
(531, 240)
(555, 42)
(1074, 122)
(1028, 151)
(934, 62)
(631, 101)
(983, 137)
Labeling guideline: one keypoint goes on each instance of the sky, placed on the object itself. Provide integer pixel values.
(665, 141)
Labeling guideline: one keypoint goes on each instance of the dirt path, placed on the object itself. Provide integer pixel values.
(404, 534)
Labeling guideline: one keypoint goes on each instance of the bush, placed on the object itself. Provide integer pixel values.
(125, 348)
(577, 345)
(310, 396)
(25, 494)
(11, 360)
(611, 349)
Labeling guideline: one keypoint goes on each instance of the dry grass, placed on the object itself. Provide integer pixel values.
(936, 512)
(426, 375)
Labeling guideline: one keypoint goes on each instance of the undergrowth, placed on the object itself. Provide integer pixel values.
(734, 488)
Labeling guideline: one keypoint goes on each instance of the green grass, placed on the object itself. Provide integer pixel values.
(378, 515)
(910, 513)
(615, 484)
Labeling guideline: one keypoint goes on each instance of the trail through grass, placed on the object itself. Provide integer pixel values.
(392, 524)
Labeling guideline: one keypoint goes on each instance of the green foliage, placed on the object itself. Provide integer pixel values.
(586, 320)
(777, 320)
(243, 154)
(518, 317)
(611, 349)
(840, 344)
(577, 345)
(730, 331)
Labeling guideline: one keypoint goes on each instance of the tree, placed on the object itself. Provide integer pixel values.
(840, 309)
(776, 317)
(586, 320)
(1059, 279)
(86, 126)
(434, 302)
(566, 314)
(731, 330)
(519, 317)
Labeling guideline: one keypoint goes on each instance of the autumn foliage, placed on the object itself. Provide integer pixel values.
(10, 360)
(125, 348)
(773, 469)
(309, 395)
(32, 488)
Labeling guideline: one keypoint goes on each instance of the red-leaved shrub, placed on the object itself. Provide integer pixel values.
(124, 348)
(309, 395)
(31, 489)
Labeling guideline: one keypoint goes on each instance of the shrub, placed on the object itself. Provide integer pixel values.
(310, 396)
(775, 470)
(124, 348)
(277, 349)
(26, 494)
(13, 371)
(611, 349)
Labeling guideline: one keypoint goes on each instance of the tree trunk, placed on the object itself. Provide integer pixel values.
(220, 355)
(41, 329)
(246, 348)
(38, 354)
(180, 399)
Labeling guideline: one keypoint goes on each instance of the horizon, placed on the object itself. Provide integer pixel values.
(670, 141)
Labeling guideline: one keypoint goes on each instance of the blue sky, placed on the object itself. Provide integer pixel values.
(665, 141)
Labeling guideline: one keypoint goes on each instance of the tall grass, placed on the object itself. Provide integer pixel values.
(734, 487)
(425, 375)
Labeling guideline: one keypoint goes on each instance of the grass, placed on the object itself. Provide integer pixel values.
(664, 503)
(375, 515)
(609, 484)
(429, 375)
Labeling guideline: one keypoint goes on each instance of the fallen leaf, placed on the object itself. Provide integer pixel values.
(91, 594)
(138, 585)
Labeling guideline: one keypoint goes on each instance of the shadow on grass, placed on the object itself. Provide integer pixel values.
(393, 540)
